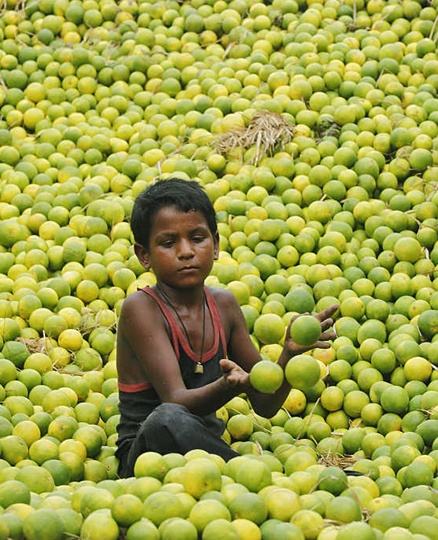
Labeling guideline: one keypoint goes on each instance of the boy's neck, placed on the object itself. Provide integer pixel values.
(181, 297)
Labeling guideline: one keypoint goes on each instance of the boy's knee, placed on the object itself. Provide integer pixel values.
(168, 423)
(168, 414)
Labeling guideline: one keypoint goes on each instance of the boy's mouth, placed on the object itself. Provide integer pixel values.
(188, 269)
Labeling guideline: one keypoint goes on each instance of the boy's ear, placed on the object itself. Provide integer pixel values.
(142, 255)
(216, 246)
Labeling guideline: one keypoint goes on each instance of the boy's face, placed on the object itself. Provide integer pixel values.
(181, 247)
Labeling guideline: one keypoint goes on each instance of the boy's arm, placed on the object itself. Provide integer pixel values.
(144, 353)
(242, 352)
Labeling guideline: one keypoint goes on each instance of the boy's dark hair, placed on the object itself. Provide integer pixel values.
(186, 195)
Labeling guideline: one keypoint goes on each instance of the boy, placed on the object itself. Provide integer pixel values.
(183, 349)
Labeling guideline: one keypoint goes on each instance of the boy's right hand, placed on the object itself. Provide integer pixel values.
(234, 376)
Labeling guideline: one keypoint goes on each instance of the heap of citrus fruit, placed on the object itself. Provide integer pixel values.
(313, 126)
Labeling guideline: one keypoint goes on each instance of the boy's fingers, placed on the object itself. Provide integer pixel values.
(226, 364)
(230, 368)
(327, 313)
(326, 336)
(327, 323)
(322, 345)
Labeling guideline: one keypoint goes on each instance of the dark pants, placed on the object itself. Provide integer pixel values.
(172, 428)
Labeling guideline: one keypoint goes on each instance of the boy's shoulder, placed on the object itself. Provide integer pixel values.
(136, 299)
(142, 296)
(222, 297)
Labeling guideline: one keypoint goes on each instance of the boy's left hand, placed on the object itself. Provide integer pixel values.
(234, 375)
(326, 320)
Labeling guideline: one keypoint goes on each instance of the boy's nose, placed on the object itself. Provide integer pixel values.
(185, 249)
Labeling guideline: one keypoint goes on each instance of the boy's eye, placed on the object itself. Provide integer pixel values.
(167, 243)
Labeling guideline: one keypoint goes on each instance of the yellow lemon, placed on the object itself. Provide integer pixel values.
(266, 376)
(305, 330)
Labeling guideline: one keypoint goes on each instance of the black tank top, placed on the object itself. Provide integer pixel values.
(137, 401)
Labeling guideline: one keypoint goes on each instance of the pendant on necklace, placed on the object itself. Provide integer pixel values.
(199, 368)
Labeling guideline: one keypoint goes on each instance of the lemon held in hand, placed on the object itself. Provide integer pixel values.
(305, 330)
(266, 376)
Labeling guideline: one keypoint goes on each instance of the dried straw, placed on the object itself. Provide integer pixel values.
(337, 460)
(268, 131)
(35, 345)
